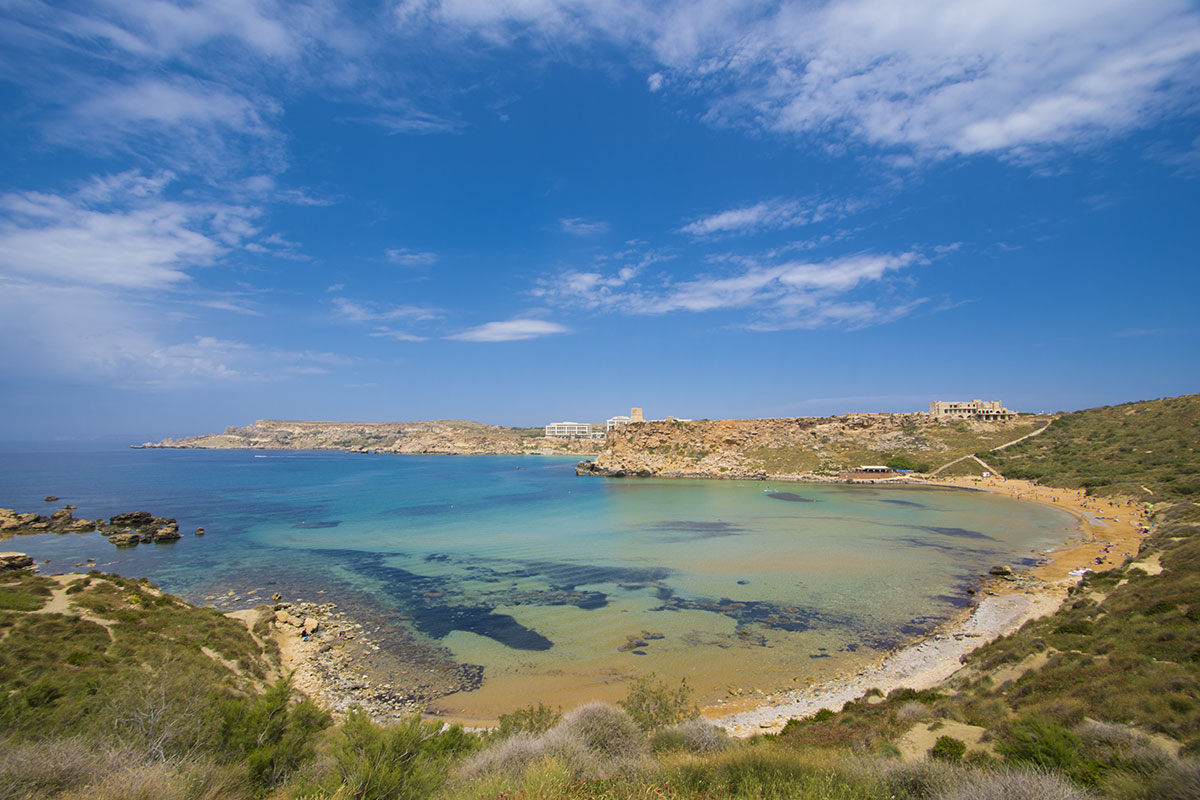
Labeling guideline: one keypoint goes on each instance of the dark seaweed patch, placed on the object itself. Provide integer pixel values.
(961, 533)
(790, 497)
(908, 503)
(698, 529)
(423, 598)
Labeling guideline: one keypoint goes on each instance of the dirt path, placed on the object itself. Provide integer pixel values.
(994, 449)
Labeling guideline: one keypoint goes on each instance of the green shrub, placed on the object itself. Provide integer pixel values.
(1040, 743)
(697, 736)
(404, 761)
(531, 719)
(273, 734)
(652, 704)
(947, 748)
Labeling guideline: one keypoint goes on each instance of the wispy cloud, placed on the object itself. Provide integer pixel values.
(943, 77)
(97, 335)
(774, 214)
(411, 258)
(118, 230)
(414, 122)
(578, 226)
(357, 311)
(384, 332)
(787, 295)
(510, 331)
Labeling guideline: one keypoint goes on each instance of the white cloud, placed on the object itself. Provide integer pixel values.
(373, 312)
(788, 295)
(411, 258)
(414, 121)
(578, 226)
(510, 331)
(936, 77)
(118, 231)
(384, 332)
(966, 76)
(775, 214)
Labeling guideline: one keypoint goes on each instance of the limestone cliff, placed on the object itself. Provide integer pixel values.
(448, 437)
(809, 447)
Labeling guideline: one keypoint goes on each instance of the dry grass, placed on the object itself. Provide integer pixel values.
(1011, 785)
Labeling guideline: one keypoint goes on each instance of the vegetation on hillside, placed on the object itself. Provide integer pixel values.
(1146, 449)
(922, 447)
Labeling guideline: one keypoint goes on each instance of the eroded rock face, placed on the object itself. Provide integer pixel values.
(125, 539)
(10, 561)
(61, 521)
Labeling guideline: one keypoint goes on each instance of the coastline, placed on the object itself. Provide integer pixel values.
(1107, 531)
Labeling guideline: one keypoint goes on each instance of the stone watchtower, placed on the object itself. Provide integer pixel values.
(635, 415)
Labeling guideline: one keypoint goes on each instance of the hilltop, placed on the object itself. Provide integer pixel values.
(799, 447)
(442, 437)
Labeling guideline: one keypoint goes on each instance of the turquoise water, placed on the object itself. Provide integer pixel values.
(538, 577)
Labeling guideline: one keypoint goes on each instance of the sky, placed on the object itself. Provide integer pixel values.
(526, 211)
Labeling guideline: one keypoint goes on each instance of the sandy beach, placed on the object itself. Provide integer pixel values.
(1109, 534)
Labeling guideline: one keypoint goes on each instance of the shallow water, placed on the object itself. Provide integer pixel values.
(541, 577)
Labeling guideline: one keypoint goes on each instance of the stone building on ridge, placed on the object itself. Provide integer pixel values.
(970, 409)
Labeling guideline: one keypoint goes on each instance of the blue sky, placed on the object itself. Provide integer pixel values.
(523, 211)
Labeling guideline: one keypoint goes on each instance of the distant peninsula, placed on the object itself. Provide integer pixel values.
(430, 437)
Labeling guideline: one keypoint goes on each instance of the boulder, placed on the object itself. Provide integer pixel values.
(125, 539)
(133, 519)
(79, 526)
(167, 534)
(50, 498)
(1000, 569)
(284, 618)
(199, 531)
(310, 626)
(15, 561)
(61, 514)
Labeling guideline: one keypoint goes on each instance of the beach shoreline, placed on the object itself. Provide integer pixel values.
(1105, 531)
(1109, 533)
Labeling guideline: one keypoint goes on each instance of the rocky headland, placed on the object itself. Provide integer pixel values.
(795, 447)
(433, 437)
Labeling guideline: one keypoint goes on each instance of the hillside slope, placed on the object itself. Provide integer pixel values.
(797, 447)
(1145, 449)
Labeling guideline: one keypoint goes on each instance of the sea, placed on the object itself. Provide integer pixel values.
(527, 583)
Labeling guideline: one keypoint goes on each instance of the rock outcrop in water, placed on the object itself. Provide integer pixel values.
(123, 530)
(808, 447)
(435, 437)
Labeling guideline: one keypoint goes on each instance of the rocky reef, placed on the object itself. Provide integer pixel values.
(123, 530)
(434, 437)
